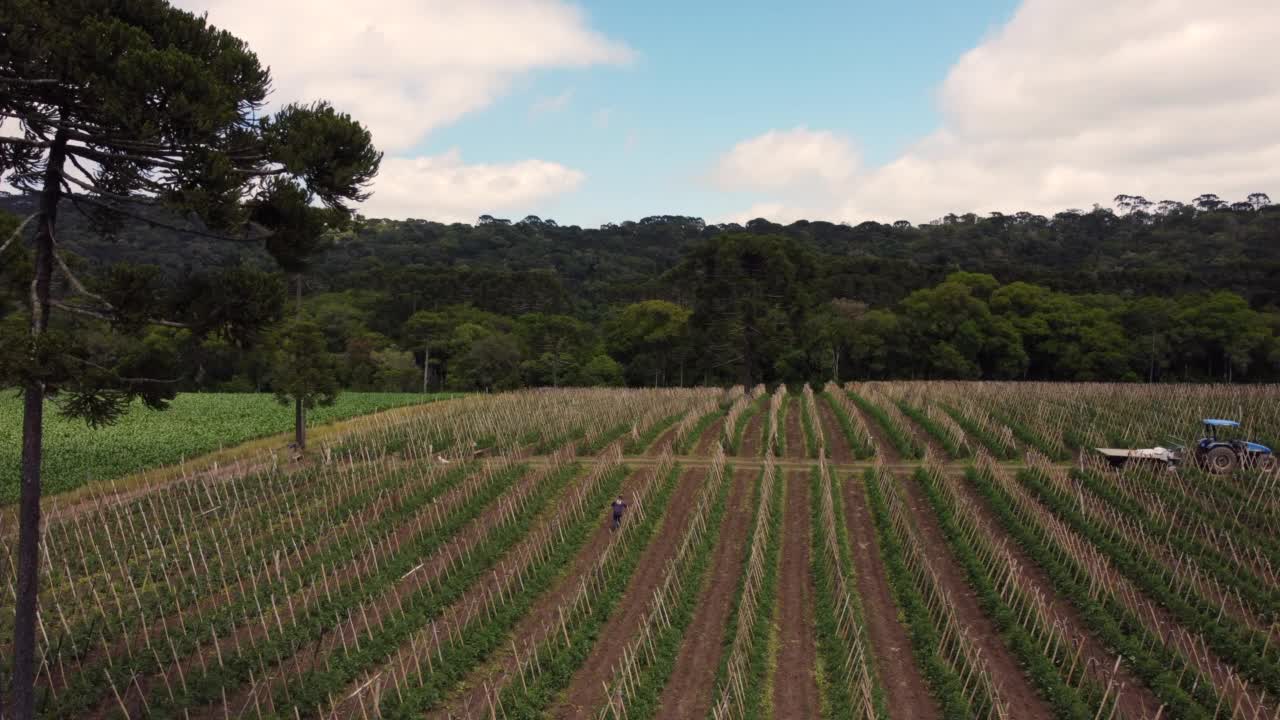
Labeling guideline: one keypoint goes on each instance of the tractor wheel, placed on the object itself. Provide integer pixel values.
(1267, 462)
(1220, 460)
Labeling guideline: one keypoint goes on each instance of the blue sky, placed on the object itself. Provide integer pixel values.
(646, 133)
(593, 111)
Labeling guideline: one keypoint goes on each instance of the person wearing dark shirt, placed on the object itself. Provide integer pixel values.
(618, 507)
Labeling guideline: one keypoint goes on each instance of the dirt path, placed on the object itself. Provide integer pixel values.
(796, 447)
(837, 445)
(688, 694)
(1136, 701)
(795, 686)
(753, 436)
(664, 440)
(709, 437)
(470, 699)
(1014, 687)
(908, 695)
(584, 692)
(884, 448)
(936, 451)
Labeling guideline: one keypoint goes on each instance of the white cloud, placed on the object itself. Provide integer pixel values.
(1074, 101)
(445, 189)
(407, 67)
(786, 158)
(551, 104)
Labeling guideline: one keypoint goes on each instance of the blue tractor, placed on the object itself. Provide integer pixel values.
(1219, 453)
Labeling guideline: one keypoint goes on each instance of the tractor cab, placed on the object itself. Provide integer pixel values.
(1222, 450)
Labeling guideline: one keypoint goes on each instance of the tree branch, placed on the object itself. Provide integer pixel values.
(23, 141)
(99, 315)
(28, 81)
(156, 223)
(16, 233)
(129, 380)
(90, 154)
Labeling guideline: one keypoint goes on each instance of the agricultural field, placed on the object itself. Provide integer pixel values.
(194, 424)
(873, 550)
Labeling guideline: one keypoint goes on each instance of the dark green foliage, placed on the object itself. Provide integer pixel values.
(302, 368)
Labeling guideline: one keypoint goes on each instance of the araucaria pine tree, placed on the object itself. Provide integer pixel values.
(111, 107)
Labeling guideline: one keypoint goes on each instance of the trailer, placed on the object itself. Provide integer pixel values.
(1215, 454)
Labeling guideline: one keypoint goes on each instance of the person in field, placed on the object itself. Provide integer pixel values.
(618, 507)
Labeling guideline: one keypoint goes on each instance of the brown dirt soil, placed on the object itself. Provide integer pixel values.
(1014, 687)
(688, 694)
(752, 436)
(709, 437)
(664, 440)
(795, 431)
(795, 686)
(583, 695)
(1136, 701)
(908, 695)
(837, 445)
(469, 699)
(884, 448)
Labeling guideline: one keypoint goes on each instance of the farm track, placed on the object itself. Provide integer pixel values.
(885, 450)
(709, 437)
(664, 441)
(688, 693)
(796, 447)
(470, 699)
(753, 436)
(1136, 699)
(837, 444)
(1014, 686)
(795, 684)
(904, 686)
(933, 448)
(582, 697)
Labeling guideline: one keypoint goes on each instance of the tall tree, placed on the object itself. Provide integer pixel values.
(303, 371)
(121, 105)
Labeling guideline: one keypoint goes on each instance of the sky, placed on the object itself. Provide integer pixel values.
(595, 111)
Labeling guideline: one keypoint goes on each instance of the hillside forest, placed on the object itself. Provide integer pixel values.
(1142, 292)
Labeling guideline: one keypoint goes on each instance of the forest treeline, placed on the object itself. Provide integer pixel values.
(1147, 291)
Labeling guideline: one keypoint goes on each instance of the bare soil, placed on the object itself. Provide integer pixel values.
(709, 437)
(665, 440)
(584, 693)
(837, 445)
(688, 694)
(906, 691)
(795, 686)
(753, 436)
(1014, 687)
(796, 447)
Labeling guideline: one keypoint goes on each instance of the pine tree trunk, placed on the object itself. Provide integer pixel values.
(24, 622)
(426, 368)
(300, 424)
